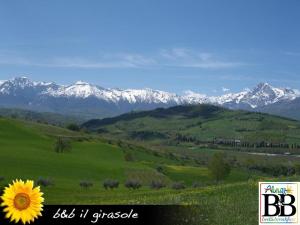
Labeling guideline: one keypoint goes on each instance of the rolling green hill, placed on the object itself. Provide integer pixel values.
(252, 141)
(199, 125)
(27, 152)
(289, 109)
(41, 117)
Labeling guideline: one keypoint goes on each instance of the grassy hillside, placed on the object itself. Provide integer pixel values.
(204, 126)
(252, 141)
(27, 152)
(41, 117)
(289, 109)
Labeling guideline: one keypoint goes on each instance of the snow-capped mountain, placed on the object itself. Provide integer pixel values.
(85, 90)
(82, 98)
(263, 94)
(191, 97)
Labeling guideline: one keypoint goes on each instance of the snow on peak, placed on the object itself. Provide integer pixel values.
(146, 95)
(18, 82)
(191, 97)
(263, 84)
(81, 83)
(261, 95)
(78, 90)
(229, 97)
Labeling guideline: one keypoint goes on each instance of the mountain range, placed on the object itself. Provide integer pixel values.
(92, 101)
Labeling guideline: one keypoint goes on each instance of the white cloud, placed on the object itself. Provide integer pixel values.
(175, 57)
(225, 89)
(174, 53)
(184, 53)
(183, 57)
(212, 65)
(105, 61)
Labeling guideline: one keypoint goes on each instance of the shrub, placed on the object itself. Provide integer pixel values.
(128, 157)
(157, 184)
(197, 184)
(73, 126)
(278, 170)
(110, 184)
(101, 131)
(160, 169)
(119, 143)
(133, 184)
(178, 185)
(218, 167)
(62, 144)
(45, 182)
(85, 184)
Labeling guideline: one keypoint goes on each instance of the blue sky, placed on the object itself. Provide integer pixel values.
(205, 46)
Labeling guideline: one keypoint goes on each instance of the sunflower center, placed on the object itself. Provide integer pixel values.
(22, 201)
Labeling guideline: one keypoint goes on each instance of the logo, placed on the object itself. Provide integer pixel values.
(22, 201)
(278, 203)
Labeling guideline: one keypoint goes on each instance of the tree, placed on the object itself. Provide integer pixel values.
(133, 184)
(110, 184)
(62, 144)
(45, 182)
(128, 157)
(160, 169)
(73, 126)
(157, 184)
(218, 167)
(178, 185)
(85, 184)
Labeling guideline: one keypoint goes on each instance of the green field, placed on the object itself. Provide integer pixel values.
(192, 124)
(27, 152)
(188, 133)
(41, 117)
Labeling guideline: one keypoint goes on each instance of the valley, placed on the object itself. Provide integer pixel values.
(165, 153)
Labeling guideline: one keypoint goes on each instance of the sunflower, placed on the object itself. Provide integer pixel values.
(22, 201)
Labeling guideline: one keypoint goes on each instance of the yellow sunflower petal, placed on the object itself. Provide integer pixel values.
(23, 201)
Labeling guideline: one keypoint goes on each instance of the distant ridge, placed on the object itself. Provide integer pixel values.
(93, 101)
